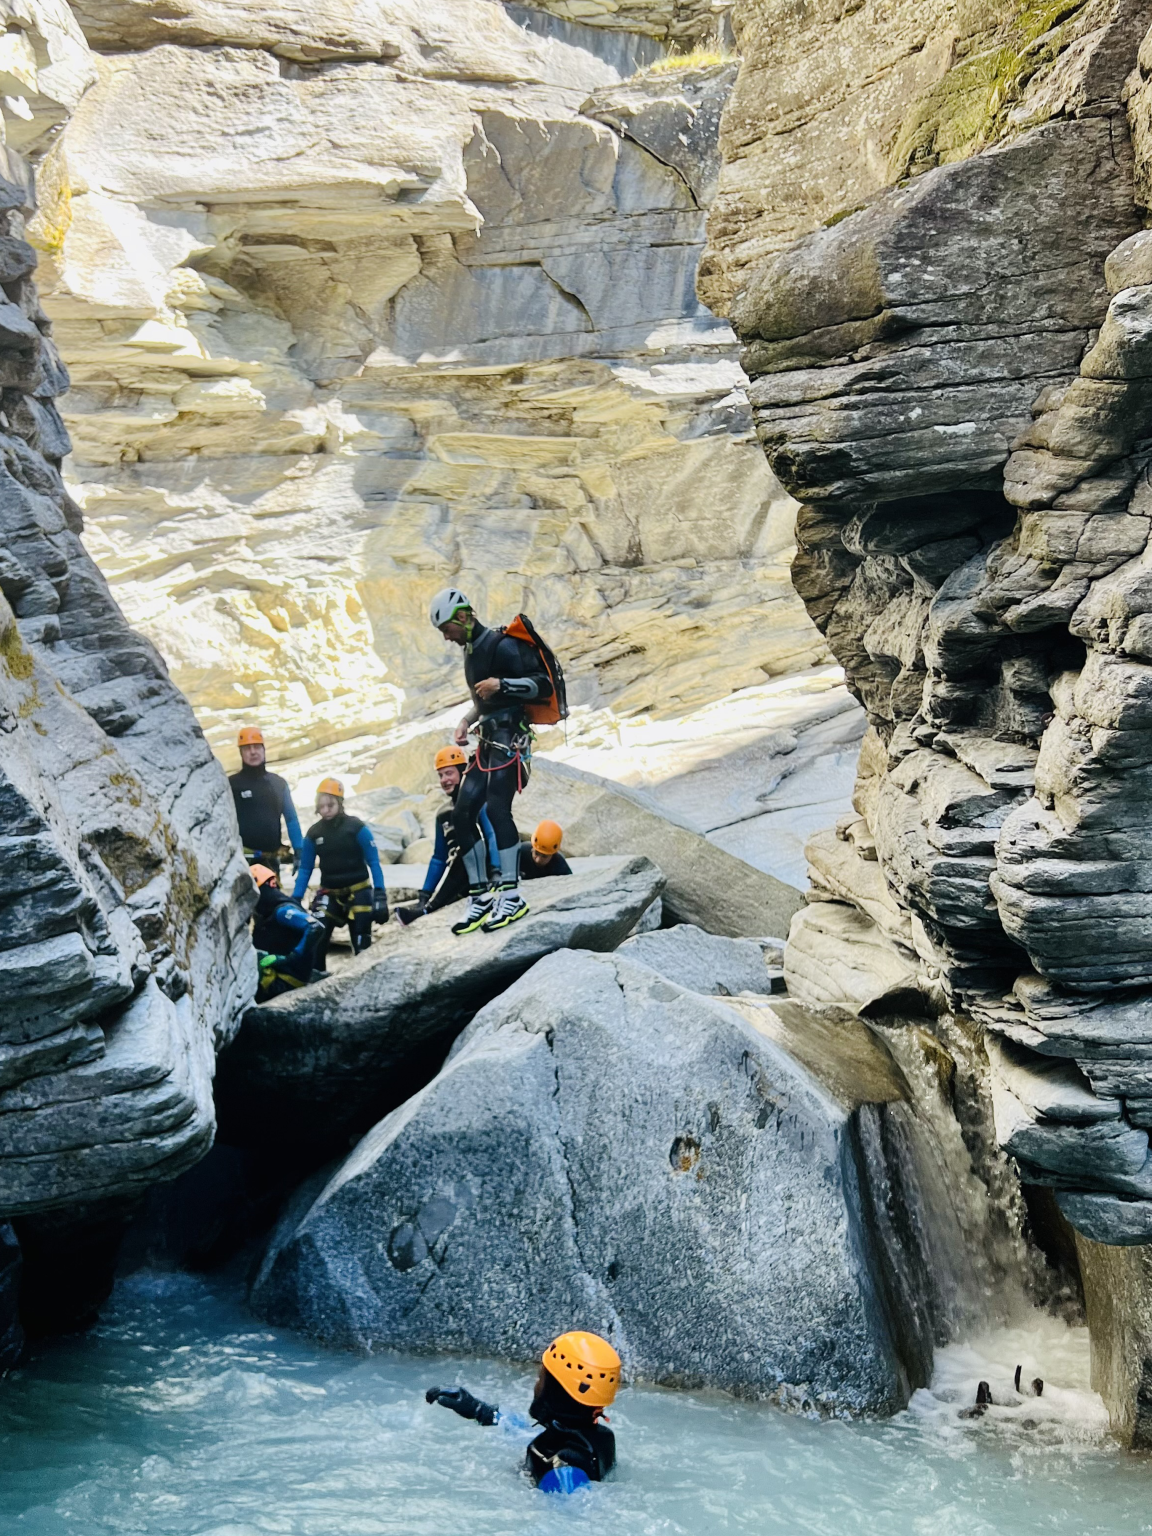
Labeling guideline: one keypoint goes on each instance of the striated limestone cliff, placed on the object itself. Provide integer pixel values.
(123, 954)
(946, 314)
(361, 300)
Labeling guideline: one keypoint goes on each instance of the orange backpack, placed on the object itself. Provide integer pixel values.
(552, 710)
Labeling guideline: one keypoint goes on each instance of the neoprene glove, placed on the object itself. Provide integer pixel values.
(461, 1401)
(379, 905)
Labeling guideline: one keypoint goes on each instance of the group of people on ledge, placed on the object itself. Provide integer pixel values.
(515, 682)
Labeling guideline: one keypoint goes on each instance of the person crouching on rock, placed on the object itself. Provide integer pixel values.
(351, 881)
(505, 676)
(285, 937)
(541, 858)
(446, 881)
(579, 1378)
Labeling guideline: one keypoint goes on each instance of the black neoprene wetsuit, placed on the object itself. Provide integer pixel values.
(262, 799)
(500, 767)
(530, 870)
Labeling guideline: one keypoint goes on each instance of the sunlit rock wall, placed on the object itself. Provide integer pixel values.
(373, 299)
(123, 895)
(945, 311)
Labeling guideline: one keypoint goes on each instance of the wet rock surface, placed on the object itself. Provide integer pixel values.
(950, 374)
(123, 894)
(597, 1136)
(313, 1066)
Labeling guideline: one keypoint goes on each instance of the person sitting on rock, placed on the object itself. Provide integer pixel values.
(285, 937)
(352, 887)
(446, 881)
(262, 801)
(504, 675)
(541, 858)
(579, 1378)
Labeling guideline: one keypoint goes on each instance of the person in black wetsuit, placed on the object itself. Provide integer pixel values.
(503, 674)
(262, 801)
(352, 886)
(285, 938)
(541, 858)
(446, 880)
(579, 1378)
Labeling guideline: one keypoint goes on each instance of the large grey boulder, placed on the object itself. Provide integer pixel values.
(313, 1065)
(708, 962)
(697, 1178)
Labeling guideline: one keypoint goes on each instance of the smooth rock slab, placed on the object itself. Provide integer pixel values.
(608, 1150)
(317, 1064)
(707, 962)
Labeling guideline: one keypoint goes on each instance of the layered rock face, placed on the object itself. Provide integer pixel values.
(359, 301)
(951, 377)
(123, 893)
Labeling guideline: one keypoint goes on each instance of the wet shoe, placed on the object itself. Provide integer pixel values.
(480, 906)
(510, 906)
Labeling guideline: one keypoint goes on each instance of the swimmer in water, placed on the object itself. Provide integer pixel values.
(579, 1377)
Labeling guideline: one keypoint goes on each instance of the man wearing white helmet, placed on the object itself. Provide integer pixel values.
(504, 675)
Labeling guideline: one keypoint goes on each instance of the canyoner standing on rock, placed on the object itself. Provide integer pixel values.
(446, 880)
(263, 800)
(579, 1377)
(352, 887)
(515, 683)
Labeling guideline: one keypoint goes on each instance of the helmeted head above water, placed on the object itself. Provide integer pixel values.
(586, 1366)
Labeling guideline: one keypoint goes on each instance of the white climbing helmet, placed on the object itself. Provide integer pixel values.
(446, 605)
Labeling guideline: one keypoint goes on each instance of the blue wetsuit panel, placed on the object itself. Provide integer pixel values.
(564, 1480)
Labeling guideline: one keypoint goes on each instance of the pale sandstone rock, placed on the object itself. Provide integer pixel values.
(419, 311)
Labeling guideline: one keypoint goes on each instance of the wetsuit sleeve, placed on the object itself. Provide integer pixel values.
(521, 672)
(291, 821)
(489, 838)
(307, 864)
(367, 846)
(559, 865)
(438, 863)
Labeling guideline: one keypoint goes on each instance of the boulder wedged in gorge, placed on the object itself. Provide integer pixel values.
(311, 1066)
(371, 280)
(597, 1137)
(949, 360)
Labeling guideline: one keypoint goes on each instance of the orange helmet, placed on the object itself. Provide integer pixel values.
(261, 874)
(450, 757)
(586, 1366)
(250, 736)
(547, 839)
(330, 787)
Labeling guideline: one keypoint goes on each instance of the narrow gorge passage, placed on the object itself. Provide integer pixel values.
(785, 367)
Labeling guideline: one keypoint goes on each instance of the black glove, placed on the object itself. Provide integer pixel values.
(380, 905)
(461, 1401)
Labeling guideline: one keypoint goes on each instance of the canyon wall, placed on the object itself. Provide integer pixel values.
(928, 236)
(124, 957)
(360, 301)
